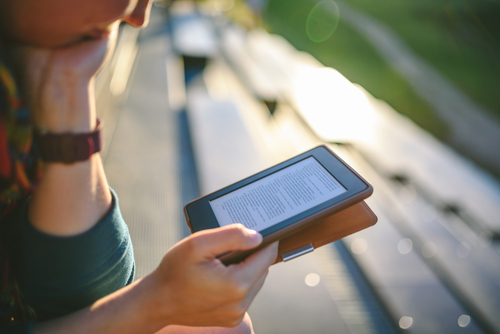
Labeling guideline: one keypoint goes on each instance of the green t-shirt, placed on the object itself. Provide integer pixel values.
(60, 275)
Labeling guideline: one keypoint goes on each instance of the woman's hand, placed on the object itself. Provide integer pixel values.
(57, 83)
(192, 287)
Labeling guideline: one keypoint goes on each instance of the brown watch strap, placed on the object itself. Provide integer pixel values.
(69, 147)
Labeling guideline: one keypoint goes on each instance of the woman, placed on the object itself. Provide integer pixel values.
(65, 247)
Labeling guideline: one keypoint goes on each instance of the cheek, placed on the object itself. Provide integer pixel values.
(59, 22)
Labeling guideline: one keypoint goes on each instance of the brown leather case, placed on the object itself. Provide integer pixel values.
(327, 229)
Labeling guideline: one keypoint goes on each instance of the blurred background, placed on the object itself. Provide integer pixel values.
(405, 91)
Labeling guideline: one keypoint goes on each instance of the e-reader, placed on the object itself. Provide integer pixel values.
(282, 199)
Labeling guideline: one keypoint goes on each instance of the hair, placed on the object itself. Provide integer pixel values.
(20, 171)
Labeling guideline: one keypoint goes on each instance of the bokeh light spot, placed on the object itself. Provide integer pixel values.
(463, 320)
(405, 322)
(408, 194)
(322, 21)
(405, 246)
(359, 246)
(312, 279)
(429, 250)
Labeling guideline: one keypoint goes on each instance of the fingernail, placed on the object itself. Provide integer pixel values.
(255, 236)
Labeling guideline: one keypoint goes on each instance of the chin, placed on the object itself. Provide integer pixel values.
(60, 42)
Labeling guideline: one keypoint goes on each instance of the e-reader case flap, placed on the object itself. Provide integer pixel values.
(328, 229)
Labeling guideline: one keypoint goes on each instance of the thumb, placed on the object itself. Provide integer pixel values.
(235, 237)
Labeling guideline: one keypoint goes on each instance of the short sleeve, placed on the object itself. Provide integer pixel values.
(60, 275)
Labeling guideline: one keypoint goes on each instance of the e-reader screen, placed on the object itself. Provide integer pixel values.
(278, 196)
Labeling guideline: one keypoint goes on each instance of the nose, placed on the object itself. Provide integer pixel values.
(140, 16)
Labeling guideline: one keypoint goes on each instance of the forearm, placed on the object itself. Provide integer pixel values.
(125, 311)
(58, 88)
(189, 288)
(72, 197)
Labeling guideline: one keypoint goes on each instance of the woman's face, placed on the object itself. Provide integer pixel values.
(53, 23)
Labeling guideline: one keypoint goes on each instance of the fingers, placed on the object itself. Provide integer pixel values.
(248, 277)
(258, 262)
(203, 290)
(252, 293)
(251, 270)
(210, 243)
(232, 313)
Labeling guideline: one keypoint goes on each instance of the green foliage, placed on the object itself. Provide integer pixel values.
(354, 57)
(459, 38)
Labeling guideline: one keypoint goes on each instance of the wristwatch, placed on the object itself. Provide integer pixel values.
(69, 148)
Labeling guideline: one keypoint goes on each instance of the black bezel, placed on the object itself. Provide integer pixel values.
(201, 215)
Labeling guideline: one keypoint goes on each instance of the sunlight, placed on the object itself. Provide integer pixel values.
(333, 106)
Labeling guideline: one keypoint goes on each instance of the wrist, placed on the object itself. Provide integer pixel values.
(69, 148)
(65, 105)
(154, 302)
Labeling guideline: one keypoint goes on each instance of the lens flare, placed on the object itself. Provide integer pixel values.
(322, 21)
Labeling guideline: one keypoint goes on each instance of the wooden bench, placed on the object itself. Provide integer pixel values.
(425, 193)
